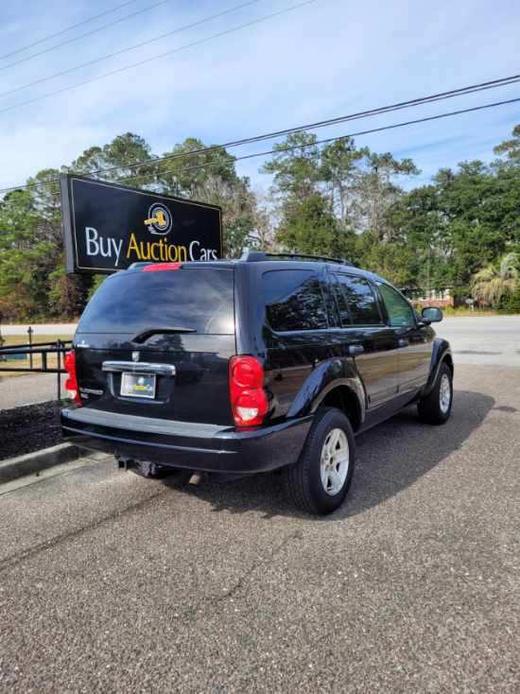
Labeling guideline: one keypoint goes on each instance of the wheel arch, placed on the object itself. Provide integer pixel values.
(345, 399)
(441, 355)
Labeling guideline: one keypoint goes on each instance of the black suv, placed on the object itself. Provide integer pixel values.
(252, 365)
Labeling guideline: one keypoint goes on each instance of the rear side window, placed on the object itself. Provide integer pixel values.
(130, 302)
(294, 300)
(357, 301)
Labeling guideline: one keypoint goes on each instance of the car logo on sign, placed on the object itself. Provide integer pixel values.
(159, 220)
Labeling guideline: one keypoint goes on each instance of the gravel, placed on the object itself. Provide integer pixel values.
(30, 428)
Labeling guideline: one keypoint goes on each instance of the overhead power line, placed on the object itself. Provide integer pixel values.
(130, 48)
(439, 96)
(290, 148)
(282, 148)
(160, 55)
(64, 31)
(85, 34)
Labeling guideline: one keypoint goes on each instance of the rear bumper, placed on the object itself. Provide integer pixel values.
(186, 445)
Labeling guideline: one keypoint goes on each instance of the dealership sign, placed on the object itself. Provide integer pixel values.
(108, 227)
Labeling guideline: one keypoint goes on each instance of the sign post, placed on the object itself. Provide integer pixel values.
(107, 227)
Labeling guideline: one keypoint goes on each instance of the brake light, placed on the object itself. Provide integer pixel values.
(162, 267)
(246, 388)
(71, 383)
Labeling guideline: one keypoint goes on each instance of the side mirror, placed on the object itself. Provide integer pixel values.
(432, 314)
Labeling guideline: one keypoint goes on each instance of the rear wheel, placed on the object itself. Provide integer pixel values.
(435, 408)
(319, 481)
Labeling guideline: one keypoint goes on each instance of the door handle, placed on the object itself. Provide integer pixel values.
(403, 342)
(354, 350)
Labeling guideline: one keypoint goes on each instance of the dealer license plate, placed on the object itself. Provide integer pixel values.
(137, 385)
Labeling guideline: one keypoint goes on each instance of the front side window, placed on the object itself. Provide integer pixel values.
(400, 313)
(294, 300)
(358, 301)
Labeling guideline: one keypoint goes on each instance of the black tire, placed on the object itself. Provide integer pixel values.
(430, 408)
(303, 480)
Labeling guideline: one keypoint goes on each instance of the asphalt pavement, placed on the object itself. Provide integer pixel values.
(39, 328)
(16, 391)
(109, 582)
(483, 339)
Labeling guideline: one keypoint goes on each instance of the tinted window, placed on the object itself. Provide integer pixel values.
(400, 313)
(130, 302)
(359, 297)
(340, 294)
(294, 300)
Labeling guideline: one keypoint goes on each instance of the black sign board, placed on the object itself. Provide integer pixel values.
(108, 227)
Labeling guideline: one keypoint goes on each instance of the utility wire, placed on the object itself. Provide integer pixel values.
(160, 55)
(284, 148)
(85, 34)
(440, 96)
(334, 121)
(69, 28)
(281, 149)
(130, 48)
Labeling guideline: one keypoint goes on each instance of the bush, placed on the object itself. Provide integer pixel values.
(511, 303)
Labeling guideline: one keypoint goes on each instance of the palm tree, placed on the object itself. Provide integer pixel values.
(495, 281)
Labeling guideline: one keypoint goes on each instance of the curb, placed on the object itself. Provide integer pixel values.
(31, 463)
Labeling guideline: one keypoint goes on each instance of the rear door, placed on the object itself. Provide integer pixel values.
(157, 344)
(373, 343)
(414, 341)
(295, 328)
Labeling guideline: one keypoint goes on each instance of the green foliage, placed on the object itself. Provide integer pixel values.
(309, 227)
(495, 284)
(33, 283)
(461, 231)
(511, 303)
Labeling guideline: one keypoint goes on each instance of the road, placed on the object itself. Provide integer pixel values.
(39, 328)
(28, 390)
(109, 582)
(483, 340)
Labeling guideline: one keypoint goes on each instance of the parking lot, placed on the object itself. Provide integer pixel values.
(112, 582)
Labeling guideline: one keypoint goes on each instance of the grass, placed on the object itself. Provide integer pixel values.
(464, 311)
(12, 340)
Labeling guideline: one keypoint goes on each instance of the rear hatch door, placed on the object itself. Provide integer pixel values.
(157, 343)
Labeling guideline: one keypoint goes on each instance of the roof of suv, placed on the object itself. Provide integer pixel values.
(278, 261)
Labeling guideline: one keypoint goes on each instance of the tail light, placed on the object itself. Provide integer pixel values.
(71, 383)
(246, 388)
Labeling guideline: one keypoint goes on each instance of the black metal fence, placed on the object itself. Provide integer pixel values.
(51, 358)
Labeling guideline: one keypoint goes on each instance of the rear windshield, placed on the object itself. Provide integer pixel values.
(130, 302)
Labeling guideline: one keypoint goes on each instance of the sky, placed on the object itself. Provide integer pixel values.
(221, 82)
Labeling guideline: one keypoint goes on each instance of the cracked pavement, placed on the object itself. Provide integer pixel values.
(109, 582)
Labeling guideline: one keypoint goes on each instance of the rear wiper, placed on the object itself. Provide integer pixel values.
(145, 334)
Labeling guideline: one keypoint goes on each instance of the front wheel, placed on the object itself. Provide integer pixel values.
(435, 408)
(320, 480)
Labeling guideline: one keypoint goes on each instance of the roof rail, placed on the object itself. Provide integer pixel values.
(251, 256)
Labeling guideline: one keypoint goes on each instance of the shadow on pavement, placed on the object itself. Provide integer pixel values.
(391, 457)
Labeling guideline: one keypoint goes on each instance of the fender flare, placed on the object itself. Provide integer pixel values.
(441, 353)
(328, 375)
